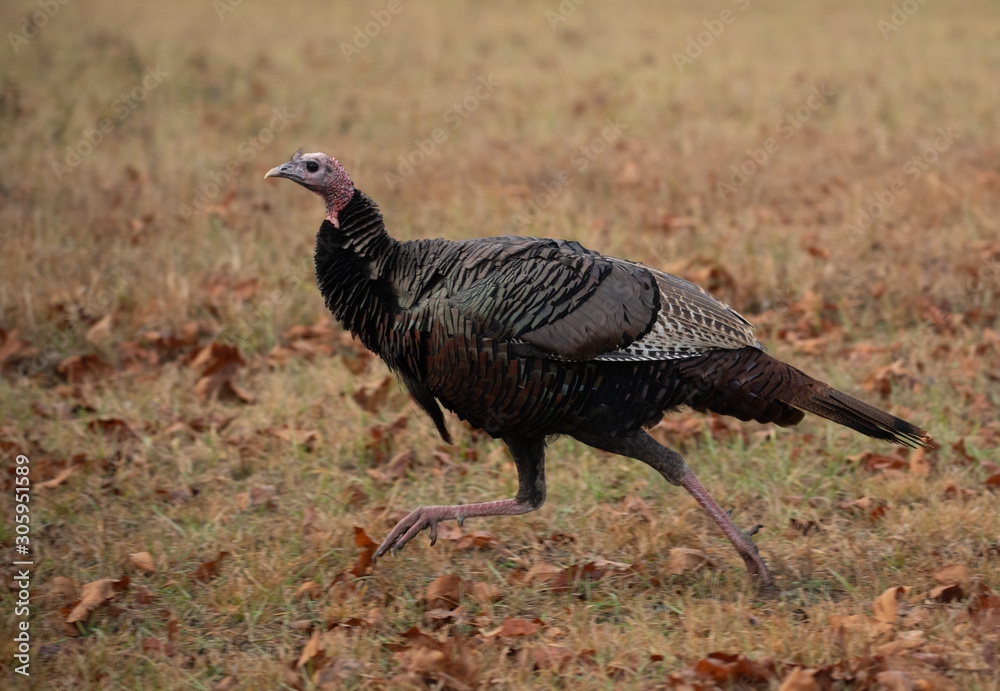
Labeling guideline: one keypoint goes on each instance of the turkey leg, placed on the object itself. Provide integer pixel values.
(672, 467)
(529, 457)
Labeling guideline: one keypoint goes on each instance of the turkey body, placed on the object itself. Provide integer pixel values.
(535, 337)
(527, 338)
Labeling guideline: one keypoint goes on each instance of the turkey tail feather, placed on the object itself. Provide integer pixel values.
(749, 384)
(850, 412)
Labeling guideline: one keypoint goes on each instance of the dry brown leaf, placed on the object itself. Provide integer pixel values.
(229, 683)
(58, 479)
(210, 569)
(725, 669)
(94, 595)
(800, 679)
(221, 363)
(513, 628)
(373, 396)
(310, 589)
(445, 592)
(478, 539)
(683, 559)
(154, 646)
(13, 348)
(953, 573)
(100, 332)
(885, 604)
(907, 641)
(375, 618)
(144, 596)
(451, 664)
(872, 629)
(541, 573)
(486, 592)
(310, 651)
(367, 547)
(142, 561)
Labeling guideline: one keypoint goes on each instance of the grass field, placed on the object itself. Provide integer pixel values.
(831, 170)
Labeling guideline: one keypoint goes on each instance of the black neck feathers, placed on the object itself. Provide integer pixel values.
(352, 264)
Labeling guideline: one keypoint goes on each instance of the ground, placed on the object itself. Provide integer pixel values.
(209, 454)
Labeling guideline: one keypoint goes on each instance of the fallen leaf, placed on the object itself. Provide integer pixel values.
(449, 665)
(229, 683)
(367, 547)
(885, 604)
(444, 592)
(58, 479)
(100, 332)
(872, 629)
(800, 679)
(142, 561)
(683, 559)
(953, 573)
(210, 569)
(513, 628)
(154, 646)
(541, 573)
(94, 595)
(220, 364)
(479, 539)
(726, 669)
(371, 397)
(309, 589)
(486, 592)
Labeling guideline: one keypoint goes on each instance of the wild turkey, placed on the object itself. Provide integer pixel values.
(527, 338)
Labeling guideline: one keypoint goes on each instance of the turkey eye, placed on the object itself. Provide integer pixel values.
(312, 166)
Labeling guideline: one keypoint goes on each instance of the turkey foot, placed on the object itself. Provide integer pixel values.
(741, 540)
(430, 516)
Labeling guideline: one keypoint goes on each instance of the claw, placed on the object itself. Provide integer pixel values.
(755, 529)
(461, 520)
(434, 533)
(729, 513)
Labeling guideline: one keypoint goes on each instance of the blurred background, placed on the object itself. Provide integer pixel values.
(830, 169)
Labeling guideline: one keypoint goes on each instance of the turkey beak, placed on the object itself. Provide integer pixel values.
(283, 171)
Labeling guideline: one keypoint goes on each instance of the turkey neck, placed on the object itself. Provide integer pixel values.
(352, 264)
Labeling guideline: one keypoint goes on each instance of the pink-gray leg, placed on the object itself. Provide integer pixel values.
(672, 467)
(529, 457)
